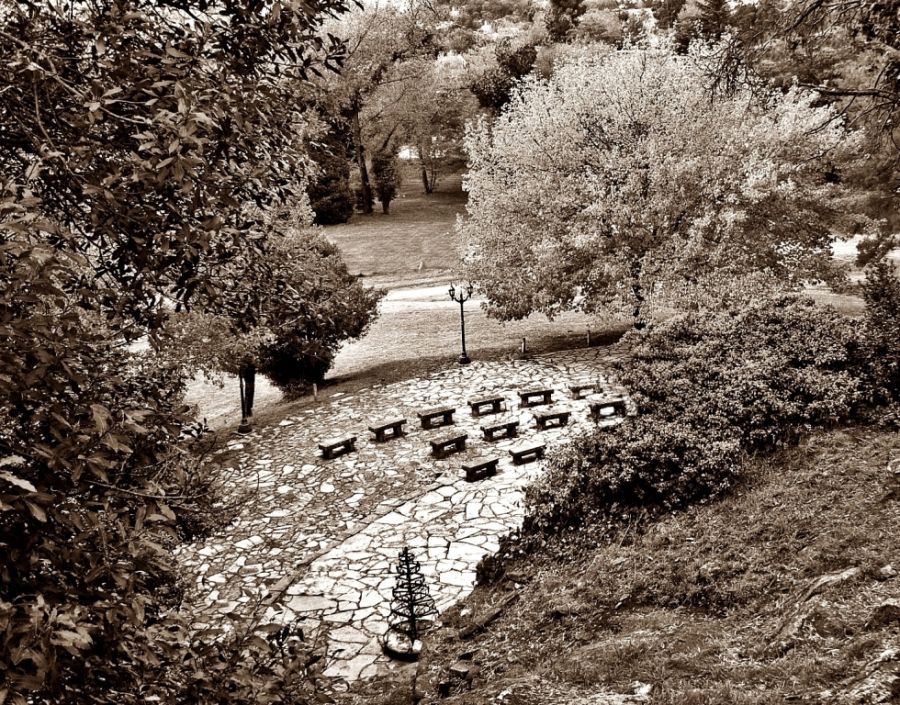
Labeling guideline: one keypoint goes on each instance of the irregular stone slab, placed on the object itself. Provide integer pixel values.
(320, 538)
(349, 670)
(310, 603)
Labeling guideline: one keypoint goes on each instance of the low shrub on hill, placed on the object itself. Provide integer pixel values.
(709, 388)
(880, 352)
(763, 374)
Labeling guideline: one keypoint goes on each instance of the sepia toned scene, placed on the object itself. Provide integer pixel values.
(448, 352)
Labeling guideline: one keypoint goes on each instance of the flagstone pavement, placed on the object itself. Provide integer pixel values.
(315, 540)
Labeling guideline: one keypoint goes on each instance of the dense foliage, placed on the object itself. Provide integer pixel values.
(621, 180)
(329, 191)
(881, 348)
(387, 177)
(289, 330)
(143, 147)
(493, 88)
(385, 46)
(562, 18)
(318, 305)
(708, 388)
(137, 136)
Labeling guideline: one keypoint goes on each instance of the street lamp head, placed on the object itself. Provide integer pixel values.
(452, 291)
(470, 288)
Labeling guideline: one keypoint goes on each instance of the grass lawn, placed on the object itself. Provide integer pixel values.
(710, 606)
(415, 243)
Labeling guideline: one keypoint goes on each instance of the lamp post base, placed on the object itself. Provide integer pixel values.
(464, 359)
(244, 427)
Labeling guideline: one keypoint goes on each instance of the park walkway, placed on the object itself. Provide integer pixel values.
(315, 540)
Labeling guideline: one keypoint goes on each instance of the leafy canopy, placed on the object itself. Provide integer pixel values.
(621, 179)
(143, 144)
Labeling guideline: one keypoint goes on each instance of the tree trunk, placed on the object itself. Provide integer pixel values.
(638, 290)
(247, 377)
(427, 183)
(360, 150)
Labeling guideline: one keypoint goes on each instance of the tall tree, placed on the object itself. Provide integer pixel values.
(142, 144)
(380, 40)
(849, 53)
(620, 180)
(428, 114)
(714, 15)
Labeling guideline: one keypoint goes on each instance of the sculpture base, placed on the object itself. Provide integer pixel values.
(398, 645)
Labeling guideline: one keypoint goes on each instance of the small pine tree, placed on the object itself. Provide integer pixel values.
(410, 601)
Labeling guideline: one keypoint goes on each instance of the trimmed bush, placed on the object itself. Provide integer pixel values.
(322, 306)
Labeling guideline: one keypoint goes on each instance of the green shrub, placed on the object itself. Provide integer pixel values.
(763, 374)
(709, 387)
(323, 305)
(329, 193)
(880, 354)
(650, 463)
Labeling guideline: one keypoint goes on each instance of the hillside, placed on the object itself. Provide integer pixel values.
(785, 591)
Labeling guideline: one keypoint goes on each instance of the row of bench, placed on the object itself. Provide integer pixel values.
(443, 416)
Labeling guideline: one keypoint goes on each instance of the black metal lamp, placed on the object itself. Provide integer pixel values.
(462, 295)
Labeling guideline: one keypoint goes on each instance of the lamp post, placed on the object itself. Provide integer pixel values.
(464, 294)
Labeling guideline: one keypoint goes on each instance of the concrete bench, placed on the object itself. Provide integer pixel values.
(527, 452)
(333, 447)
(442, 447)
(486, 405)
(552, 417)
(618, 406)
(535, 397)
(480, 469)
(380, 429)
(443, 415)
(501, 429)
(580, 389)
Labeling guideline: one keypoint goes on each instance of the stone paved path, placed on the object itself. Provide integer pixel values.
(317, 539)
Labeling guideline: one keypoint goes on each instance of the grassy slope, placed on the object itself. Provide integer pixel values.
(692, 605)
